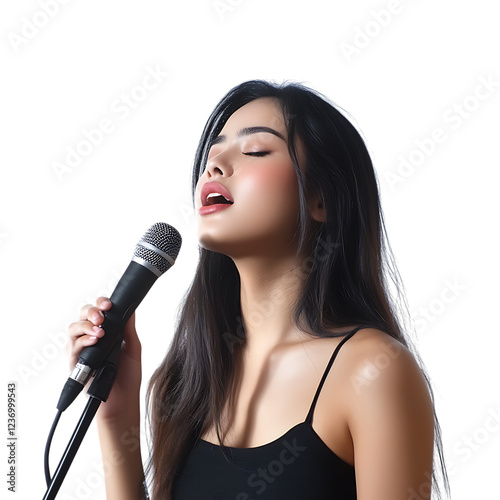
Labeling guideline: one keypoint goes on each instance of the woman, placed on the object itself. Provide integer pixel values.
(288, 375)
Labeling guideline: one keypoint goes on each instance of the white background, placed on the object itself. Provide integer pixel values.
(66, 238)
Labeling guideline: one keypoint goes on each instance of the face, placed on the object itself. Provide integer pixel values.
(255, 172)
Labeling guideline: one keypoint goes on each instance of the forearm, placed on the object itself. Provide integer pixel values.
(121, 455)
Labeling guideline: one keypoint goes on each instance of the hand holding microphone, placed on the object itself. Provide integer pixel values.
(100, 330)
(125, 393)
(96, 347)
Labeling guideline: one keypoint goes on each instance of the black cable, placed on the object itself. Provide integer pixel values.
(47, 447)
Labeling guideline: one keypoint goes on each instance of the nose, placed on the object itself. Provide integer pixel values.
(219, 165)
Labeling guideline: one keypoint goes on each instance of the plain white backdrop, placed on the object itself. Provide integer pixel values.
(94, 151)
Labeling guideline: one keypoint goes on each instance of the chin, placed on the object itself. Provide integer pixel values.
(209, 242)
(233, 250)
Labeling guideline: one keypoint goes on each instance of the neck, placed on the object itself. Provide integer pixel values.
(270, 288)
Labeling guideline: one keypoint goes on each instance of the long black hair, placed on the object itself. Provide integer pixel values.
(349, 274)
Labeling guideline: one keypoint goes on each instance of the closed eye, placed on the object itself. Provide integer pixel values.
(258, 153)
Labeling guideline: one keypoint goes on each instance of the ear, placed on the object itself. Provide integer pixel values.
(317, 208)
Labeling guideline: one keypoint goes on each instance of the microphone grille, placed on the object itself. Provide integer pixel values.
(158, 247)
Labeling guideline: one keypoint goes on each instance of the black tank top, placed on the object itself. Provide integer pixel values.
(296, 466)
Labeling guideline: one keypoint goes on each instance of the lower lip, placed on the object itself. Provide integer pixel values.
(210, 209)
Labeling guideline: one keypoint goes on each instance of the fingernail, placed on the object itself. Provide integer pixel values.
(92, 339)
(97, 329)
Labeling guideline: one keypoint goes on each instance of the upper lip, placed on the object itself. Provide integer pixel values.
(214, 187)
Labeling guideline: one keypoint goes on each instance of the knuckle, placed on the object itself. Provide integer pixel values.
(85, 308)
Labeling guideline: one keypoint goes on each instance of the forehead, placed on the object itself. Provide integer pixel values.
(263, 111)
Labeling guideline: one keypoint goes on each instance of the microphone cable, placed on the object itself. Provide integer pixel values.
(48, 479)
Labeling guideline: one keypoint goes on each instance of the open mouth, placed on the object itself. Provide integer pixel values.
(215, 199)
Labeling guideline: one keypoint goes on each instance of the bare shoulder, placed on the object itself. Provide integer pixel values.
(379, 368)
(378, 361)
(370, 358)
(389, 414)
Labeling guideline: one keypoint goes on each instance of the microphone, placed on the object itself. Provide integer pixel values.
(154, 254)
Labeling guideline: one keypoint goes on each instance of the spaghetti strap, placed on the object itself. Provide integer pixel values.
(332, 359)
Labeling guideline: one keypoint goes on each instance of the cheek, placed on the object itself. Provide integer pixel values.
(274, 190)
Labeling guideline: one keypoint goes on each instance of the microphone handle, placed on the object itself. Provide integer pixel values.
(128, 294)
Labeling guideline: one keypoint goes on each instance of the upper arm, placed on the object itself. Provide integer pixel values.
(391, 421)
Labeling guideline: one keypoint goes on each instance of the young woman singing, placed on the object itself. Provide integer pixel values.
(289, 375)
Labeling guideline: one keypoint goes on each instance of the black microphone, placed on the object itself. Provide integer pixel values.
(154, 254)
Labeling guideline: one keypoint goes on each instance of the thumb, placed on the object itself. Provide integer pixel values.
(132, 345)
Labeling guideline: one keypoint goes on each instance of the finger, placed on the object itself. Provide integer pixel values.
(80, 328)
(75, 348)
(95, 316)
(82, 342)
(103, 303)
(84, 311)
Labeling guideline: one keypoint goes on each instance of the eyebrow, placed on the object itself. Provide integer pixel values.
(248, 131)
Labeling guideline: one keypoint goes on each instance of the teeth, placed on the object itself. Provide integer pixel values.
(211, 195)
